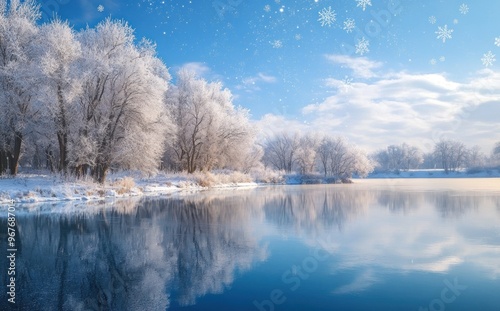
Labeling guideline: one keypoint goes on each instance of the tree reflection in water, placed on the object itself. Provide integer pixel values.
(149, 253)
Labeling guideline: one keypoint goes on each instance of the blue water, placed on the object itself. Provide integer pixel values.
(373, 245)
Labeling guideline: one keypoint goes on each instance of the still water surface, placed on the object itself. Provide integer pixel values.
(373, 245)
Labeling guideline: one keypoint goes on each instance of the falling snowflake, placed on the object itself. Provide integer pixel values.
(100, 8)
(349, 25)
(364, 3)
(277, 44)
(298, 36)
(455, 21)
(362, 47)
(464, 8)
(433, 61)
(327, 16)
(497, 41)
(444, 33)
(267, 8)
(488, 59)
(432, 19)
(442, 59)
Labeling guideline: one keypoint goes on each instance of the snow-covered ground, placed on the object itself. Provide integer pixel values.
(33, 188)
(40, 187)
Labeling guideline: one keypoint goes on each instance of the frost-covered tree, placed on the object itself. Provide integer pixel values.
(399, 157)
(495, 155)
(332, 156)
(340, 160)
(429, 161)
(211, 132)
(496, 149)
(280, 151)
(59, 52)
(306, 153)
(122, 117)
(451, 154)
(17, 83)
(475, 158)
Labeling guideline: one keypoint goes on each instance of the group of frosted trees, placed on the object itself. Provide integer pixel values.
(397, 158)
(333, 156)
(85, 102)
(210, 132)
(449, 155)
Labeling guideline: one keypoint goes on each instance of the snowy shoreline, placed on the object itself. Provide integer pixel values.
(46, 188)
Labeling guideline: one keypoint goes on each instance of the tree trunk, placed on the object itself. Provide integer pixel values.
(99, 173)
(62, 139)
(16, 155)
(49, 159)
(3, 162)
(62, 133)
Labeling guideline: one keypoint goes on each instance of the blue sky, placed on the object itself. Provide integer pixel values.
(295, 70)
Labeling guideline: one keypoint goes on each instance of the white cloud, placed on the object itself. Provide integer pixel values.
(265, 78)
(253, 83)
(404, 107)
(272, 124)
(200, 69)
(362, 67)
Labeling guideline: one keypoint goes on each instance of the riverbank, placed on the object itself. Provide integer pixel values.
(35, 188)
(44, 187)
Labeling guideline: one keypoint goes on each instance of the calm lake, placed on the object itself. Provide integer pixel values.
(407, 244)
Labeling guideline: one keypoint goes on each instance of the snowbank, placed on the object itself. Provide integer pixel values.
(34, 188)
(37, 188)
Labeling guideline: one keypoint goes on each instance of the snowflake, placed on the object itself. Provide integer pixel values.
(444, 33)
(433, 61)
(298, 36)
(347, 83)
(432, 19)
(277, 44)
(464, 8)
(100, 8)
(349, 25)
(455, 21)
(267, 8)
(497, 41)
(364, 3)
(442, 59)
(488, 59)
(327, 17)
(362, 47)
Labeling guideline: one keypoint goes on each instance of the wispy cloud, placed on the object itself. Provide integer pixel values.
(200, 69)
(361, 67)
(253, 83)
(404, 107)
